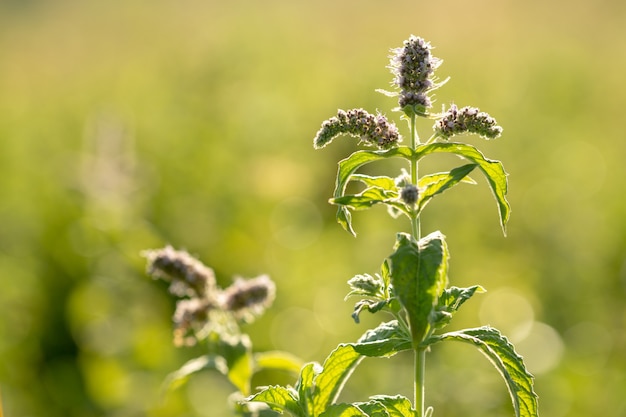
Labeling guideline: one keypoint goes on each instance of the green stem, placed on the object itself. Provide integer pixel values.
(420, 353)
(419, 387)
(415, 140)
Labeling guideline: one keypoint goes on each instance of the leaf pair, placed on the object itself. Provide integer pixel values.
(383, 190)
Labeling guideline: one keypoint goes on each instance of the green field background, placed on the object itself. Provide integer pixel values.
(127, 125)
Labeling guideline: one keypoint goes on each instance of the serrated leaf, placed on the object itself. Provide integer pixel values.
(384, 341)
(337, 368)
(366, 285)
(347, 168)
(493, 170)
(343, 410)
(277, 360)
(431, 185)
(419, 273)
(511, 366)
(450, 301)
(396, 406)
(279, 399)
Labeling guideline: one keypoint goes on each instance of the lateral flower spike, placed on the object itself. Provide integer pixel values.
(413, 67)
(371, 129)
(457, 121)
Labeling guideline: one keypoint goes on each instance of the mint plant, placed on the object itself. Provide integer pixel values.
(412, 286)
(212, 317)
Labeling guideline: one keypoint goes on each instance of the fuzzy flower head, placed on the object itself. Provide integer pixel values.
(457, 121)
(373, 130)
(187, 275)
(247, 299)
(413, 67)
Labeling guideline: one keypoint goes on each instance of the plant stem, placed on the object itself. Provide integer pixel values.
(415, 140)
(420, 353)
(419, 388)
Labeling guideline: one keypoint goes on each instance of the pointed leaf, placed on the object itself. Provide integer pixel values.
(343, 410)
(511, 366)
(279, 399)
(385, 340)
(337, 368)
(419, 273)
(349, 165)
(434, 184)
(493, 170)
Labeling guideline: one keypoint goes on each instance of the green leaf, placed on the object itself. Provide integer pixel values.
(396, 406)
(180, 377)
(367, 198)
(337, 368)
(419, 273)
(450, 301)
(279, 399)
(502, 355)
(385, 340)
(237, 351)
(343, 410)
(383, 182)
(306, 388)
(493, 171)
(373, 409)
(431, 185)
(278, 360)
(347, 168)
(369, 305)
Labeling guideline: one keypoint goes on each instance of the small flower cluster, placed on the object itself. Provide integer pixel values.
(243, 300)
(457, 121)
(371, 129)
(413, 67)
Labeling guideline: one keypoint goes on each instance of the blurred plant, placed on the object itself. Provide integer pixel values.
(208, 315)
(412, 286)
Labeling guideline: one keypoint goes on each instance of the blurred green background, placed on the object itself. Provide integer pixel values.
(127, 125)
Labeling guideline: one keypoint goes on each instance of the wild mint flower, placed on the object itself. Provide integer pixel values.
(187, 275)
(372, 129)
(457, 121)
(413, 67)
(246, 299)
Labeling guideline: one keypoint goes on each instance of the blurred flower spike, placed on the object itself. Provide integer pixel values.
(413, 67)
(373, 130)
(457, 121)
(203, 307)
